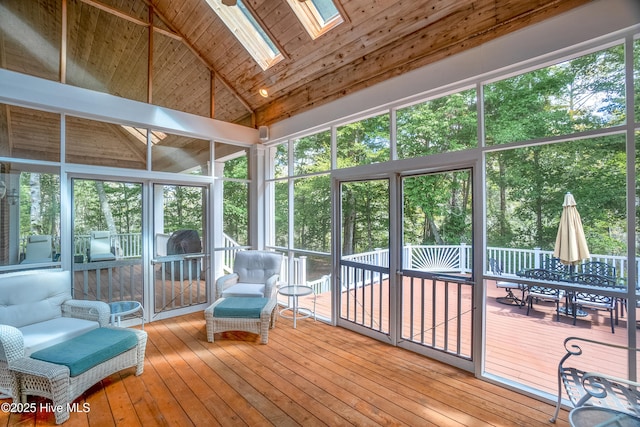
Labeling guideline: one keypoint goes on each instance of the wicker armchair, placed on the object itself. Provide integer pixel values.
(255, 274)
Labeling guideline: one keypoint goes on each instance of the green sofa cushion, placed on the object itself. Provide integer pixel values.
(240, 307)
(84, 352)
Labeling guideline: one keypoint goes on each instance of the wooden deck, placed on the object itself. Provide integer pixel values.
(527, 349)
(313, 375)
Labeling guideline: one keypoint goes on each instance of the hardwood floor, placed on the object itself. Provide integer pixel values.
(313, 375)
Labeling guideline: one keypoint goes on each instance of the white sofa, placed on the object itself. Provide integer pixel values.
(37, 307)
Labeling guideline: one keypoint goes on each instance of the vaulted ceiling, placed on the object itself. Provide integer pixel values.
(195, 55)
(378, 40)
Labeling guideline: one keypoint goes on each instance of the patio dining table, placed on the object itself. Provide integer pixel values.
(581, 284)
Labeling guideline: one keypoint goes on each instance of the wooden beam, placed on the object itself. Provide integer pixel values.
(63, 43)
(226, 84)
(116, 12)
(427, 45)
(176, 34)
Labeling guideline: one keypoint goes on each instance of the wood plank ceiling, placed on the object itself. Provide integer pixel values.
(379, 39)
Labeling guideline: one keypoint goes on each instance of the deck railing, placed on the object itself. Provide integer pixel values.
(437, 258)
(458, 258)
(430, 258)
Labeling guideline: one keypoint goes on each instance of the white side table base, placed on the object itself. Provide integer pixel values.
(296, 312)
(124, 308)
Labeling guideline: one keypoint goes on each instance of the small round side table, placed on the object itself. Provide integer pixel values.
(124, 308)
(294, 292)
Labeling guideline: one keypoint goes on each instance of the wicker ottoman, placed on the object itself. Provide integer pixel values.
(249, 314)
(64, 371)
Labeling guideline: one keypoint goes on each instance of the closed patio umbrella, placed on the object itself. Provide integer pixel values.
(571, 245)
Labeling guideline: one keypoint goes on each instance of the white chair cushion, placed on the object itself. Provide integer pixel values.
(44, 334)
(241, 289)
(102, 257)
(510, 285)
(100, 234)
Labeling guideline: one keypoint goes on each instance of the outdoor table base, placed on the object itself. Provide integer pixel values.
(512, 300)
(592, 416)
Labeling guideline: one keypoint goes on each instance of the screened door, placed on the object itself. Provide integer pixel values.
(365, 289)
(412, 287)
(179, 259)
(107, 240)
(436, 287)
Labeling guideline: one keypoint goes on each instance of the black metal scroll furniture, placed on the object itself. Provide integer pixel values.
(589, 298)
(510, 298)
(554, 265)
(541, 292)
(598, 268)
(596, 389)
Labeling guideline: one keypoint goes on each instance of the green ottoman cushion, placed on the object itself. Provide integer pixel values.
(84, 352)
(240, 307)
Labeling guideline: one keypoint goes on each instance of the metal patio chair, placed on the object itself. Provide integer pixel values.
(510, 298)
(590, 298)
(541, 292)
(597, 267)
(584, 388)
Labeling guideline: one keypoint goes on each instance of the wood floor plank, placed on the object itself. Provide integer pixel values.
(157, 377)
(314, 375)
(341, 363)
(211, 361)
(202, 379)
(407, 378)
(178, 376)
(271, 370)
(246, 369)
(145, 405)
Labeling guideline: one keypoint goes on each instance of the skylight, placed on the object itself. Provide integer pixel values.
(248, 31)
(141, 134)
(317, 16)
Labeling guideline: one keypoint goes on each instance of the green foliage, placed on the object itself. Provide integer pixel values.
(236, 200)
(438, 126)
(312, 215)
(364, 142)
(524, 189)
(124, 200)
(365, 216)
(42, 217)
(312, 153)
(183, 208)
(535, 183)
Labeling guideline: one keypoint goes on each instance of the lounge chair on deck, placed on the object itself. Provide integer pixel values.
(510, 298)
(38, 249)
(100, 247)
